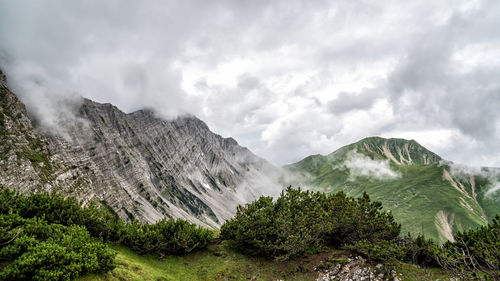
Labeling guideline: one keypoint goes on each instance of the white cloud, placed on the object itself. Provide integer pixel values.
(491, 174)
(360, 165)
(285, 78)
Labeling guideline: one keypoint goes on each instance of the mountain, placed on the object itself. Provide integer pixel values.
(26, 162)
(145, 167)
(424, 192)
(139, 164)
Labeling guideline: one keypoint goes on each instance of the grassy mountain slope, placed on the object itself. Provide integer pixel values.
(424, 193)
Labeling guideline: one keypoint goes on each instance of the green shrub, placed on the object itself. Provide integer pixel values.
(99, 221)
(421, 251)
(287, 227)
(43, 251)
(475, 253)
(358, 219)
(301, 222)
(167, 236)
(378, 251)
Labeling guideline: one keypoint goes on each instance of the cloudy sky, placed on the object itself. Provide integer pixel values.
(285, 78)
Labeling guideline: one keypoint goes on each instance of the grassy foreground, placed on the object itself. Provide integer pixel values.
(220, 263)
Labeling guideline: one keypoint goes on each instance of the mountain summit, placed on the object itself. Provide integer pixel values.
(425, 193)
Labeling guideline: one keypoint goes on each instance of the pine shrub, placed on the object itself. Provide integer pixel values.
(301, 222)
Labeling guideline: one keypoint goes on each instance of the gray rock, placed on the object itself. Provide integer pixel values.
(355, 269)
(143, 166)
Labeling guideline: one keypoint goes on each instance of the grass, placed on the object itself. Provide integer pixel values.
(412, 272)
(218, 262)
(215, 263)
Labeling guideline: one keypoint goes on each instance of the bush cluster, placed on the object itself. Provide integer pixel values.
(98, 220)
(301, 222)
(475, 253)
(165, 237)
(48, 237)
(49, 251)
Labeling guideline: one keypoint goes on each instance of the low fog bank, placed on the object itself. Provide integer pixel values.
(360, 165)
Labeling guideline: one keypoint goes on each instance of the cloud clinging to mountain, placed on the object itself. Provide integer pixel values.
(285, 78)
(360, 165)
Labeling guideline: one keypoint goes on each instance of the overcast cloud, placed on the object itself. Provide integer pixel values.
(285, 78)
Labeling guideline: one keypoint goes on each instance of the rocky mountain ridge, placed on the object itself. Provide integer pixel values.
(26, 162)
(141, 165)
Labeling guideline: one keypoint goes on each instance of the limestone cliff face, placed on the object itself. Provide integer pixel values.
(24, 158)
(26, 161)
(146, 167)
(142, 166)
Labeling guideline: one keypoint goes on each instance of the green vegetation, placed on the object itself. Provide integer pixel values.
(416, 197)
(378, 251)
(43, 250)
(475, 253)
(165, 237)
(47, 237)
(221, 262)
(301, 222)
(216, 262)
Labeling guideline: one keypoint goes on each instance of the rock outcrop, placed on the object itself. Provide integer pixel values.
(357, 269)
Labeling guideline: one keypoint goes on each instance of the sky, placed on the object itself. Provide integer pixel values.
(285, 78)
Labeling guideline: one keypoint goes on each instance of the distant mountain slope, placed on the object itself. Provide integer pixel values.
(144, 167)
(424, 192)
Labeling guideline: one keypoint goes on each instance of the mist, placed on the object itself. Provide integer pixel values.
(491, 174)
(360, 165)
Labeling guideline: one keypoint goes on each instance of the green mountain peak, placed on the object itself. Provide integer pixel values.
(399, 151)
(421, 189)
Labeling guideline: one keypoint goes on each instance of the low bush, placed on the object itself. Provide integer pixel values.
(420, 250)
(48, 237)
(165, 237)
(99, 221)
(475, 253)
(378, 251)
(301, 222)
(42, 251)
(290, 226)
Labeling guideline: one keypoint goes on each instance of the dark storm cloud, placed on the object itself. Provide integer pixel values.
(285, 78)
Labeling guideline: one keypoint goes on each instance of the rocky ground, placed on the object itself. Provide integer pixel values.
(355, 269)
